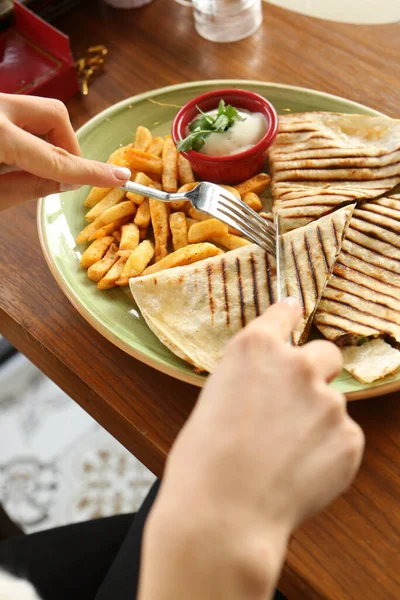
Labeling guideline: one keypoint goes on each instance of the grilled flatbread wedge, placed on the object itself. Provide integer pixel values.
(362, 298)
(320, 160)
(194, 310)
(371, 361)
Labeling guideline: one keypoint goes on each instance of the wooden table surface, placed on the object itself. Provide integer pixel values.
(352, 549)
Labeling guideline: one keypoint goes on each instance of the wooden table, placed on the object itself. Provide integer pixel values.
(351, 550)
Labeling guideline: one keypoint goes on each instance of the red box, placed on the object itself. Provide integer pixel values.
(35, 58)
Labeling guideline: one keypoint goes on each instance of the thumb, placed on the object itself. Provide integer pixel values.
(17, 187)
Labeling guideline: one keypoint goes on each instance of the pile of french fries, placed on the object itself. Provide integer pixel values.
(131, 235)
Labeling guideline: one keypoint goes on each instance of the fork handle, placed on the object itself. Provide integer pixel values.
(138, 188)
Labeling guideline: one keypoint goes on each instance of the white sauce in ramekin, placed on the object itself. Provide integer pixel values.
(242, 136)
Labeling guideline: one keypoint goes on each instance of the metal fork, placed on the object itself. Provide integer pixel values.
(218, 202)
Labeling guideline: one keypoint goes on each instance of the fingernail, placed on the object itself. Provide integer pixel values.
(291, 301)
(69, 187)
(122, 173)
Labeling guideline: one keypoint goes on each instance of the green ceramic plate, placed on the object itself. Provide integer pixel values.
(61, 217)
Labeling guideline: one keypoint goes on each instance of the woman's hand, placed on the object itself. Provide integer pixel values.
(267, 446)
(32, 166)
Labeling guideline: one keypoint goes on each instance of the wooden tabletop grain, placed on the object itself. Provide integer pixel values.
(352, 549)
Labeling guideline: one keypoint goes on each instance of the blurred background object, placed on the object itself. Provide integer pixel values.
(126, 4)
(35, 58)
(57, 465)
(225, 20)
(367, 12)
(47, 9)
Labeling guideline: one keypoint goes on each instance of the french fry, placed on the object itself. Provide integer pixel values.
(96, 251)
(129, 237)
(197, 215)
(188, 187)
(95, 195)
(204, 230)
(184, 256)
(229, 241)
(143, 232)
(117, 236)
(88, 232)
(184, 205)
(100, 268)
(137, 262)
(143, 138)
(156, 177)
(231, 189)
(190, 222)
(143, 161)
(111, 199)
(125, 253)
(109, 229)
(156, 184)
(118, 157)
(143, 179)
(159, 213)
(180, 205)
(109, 280)
(170, 166)
(252, 200)
(119, 211)
(185, 171)
(142, 217)
(177, 223)
(256, 184)
(156, 146)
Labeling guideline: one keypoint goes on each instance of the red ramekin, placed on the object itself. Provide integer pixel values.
(236, 167)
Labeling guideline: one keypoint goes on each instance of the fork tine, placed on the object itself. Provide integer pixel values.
(264, 232)
(247, 210)
(247, 231)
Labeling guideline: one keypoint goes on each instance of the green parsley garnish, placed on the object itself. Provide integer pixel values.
(204, 124)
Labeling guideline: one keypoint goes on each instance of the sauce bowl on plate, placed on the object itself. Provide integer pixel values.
(233, 168)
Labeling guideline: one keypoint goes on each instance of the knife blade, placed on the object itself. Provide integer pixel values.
(281, 290)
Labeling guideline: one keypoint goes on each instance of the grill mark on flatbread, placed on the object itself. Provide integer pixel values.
(335, 233)
(311, 267)
(226, 296)
(255, 284)
(326, 177)
(337, 328)
(340, 272)
(372, 236)
(377, 208)
(341, 153)
(298, 277)
(269, 280)
(353, 267)
(240, 290)
(306, 170)
(371, 221)
(356, 328)
(363, 312)
(370, 263)
(210, 295)
(357, 293)
(321, 243)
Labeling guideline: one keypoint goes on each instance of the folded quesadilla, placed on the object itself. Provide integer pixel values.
(362, 298)
(320, 160)
(371, 361)
(194, 310)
